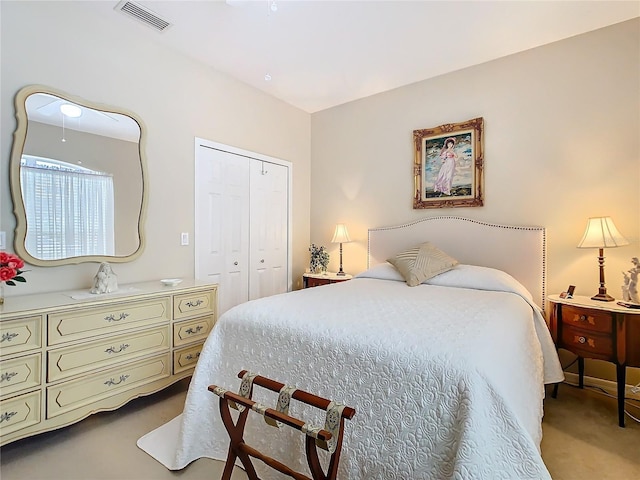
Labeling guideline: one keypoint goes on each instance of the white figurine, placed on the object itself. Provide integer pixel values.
(630, 287)
(105, 281)
(625, 287)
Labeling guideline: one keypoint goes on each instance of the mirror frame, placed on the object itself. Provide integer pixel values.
(19, 139)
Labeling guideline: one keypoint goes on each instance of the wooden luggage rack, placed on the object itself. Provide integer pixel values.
(315, 437)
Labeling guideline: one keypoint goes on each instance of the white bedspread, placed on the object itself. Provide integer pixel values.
(446, 382)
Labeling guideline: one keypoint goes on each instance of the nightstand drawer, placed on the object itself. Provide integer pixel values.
(316, 282)
(587, 344)
(594, 320)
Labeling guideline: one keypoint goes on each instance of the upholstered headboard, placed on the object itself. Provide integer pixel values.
(518, 250)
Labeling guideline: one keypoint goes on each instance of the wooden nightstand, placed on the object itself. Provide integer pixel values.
(317, 279)
(599, 330)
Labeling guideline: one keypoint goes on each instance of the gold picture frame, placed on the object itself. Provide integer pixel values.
(449, 165)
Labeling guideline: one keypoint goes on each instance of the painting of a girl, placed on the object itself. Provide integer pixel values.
(448, 168)
(448, 165)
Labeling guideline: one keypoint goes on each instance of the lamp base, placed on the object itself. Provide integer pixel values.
(340, 274)
(603, 297)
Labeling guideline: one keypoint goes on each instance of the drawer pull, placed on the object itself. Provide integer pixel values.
(582, 339)
(112, 317)
(191, 331)
(7, 376)
(235, 263)
(8, 336)
(191, 357)
(583, 318)
(197, 303)
(7, 416)
(111, 382)
(122, 348)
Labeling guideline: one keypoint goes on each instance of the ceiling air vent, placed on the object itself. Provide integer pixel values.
(143, 15)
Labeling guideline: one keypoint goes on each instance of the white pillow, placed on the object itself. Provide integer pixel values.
(383, 271)
(480, 278)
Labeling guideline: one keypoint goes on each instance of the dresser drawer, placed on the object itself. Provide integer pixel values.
(196, 303)
(592, 345)
(186, 358)
(586, 319)
(20, 335)
(97, 386)
(69, 361)
(20, 374)
(87, 322)
(190, 331)
(19, 412)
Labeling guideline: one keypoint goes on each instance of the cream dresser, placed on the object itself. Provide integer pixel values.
(64, 356)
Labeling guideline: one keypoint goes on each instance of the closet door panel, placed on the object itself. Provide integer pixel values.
(222, 223)
(269, 229)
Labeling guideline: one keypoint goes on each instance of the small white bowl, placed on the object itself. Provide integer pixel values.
(171, 282)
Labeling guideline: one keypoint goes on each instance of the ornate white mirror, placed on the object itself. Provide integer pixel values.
(78, 180)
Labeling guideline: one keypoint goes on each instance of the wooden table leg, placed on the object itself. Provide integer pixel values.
(621, 374)
(580, 372)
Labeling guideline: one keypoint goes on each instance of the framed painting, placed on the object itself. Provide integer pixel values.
(448, 165)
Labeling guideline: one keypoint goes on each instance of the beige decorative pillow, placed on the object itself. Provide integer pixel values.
(421, 263)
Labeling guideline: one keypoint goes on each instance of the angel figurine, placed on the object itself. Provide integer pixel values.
(630, 287)
(105, 281)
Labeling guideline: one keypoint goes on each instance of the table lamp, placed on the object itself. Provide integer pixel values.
(341, 236)
(600, 233)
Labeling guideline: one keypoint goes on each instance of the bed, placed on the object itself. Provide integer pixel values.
(447, 377)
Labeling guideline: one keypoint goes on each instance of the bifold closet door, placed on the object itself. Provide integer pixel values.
(222, 224)
(268, 231)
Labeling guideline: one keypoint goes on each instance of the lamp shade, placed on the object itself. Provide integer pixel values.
(341, 235)
(602, 233)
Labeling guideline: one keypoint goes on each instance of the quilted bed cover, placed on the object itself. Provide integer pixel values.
(447, 382)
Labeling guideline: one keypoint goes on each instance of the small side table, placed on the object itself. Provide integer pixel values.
(317, 279)
(599, 330)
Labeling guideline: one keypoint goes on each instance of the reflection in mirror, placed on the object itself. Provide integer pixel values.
(78, 180)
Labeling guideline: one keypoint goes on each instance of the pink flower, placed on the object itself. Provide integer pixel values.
(10, 268)
(7, 273)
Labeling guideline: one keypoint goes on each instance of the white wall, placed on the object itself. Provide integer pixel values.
(561, 144)
(178, 99)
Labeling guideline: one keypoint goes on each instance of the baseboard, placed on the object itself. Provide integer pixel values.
(607, 385)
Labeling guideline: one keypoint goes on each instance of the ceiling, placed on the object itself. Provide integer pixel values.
(325, 53)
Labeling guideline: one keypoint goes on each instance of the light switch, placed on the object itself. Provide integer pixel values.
(184, 238)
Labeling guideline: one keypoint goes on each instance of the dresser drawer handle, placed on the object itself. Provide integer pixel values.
(583, 318)
(7, 416)
(191, 357)
(8, 336)
(197, 303)
(191, 331)
(112, 317)
(111, 382)
(7, 376)
(582, 339)
(122, 348)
